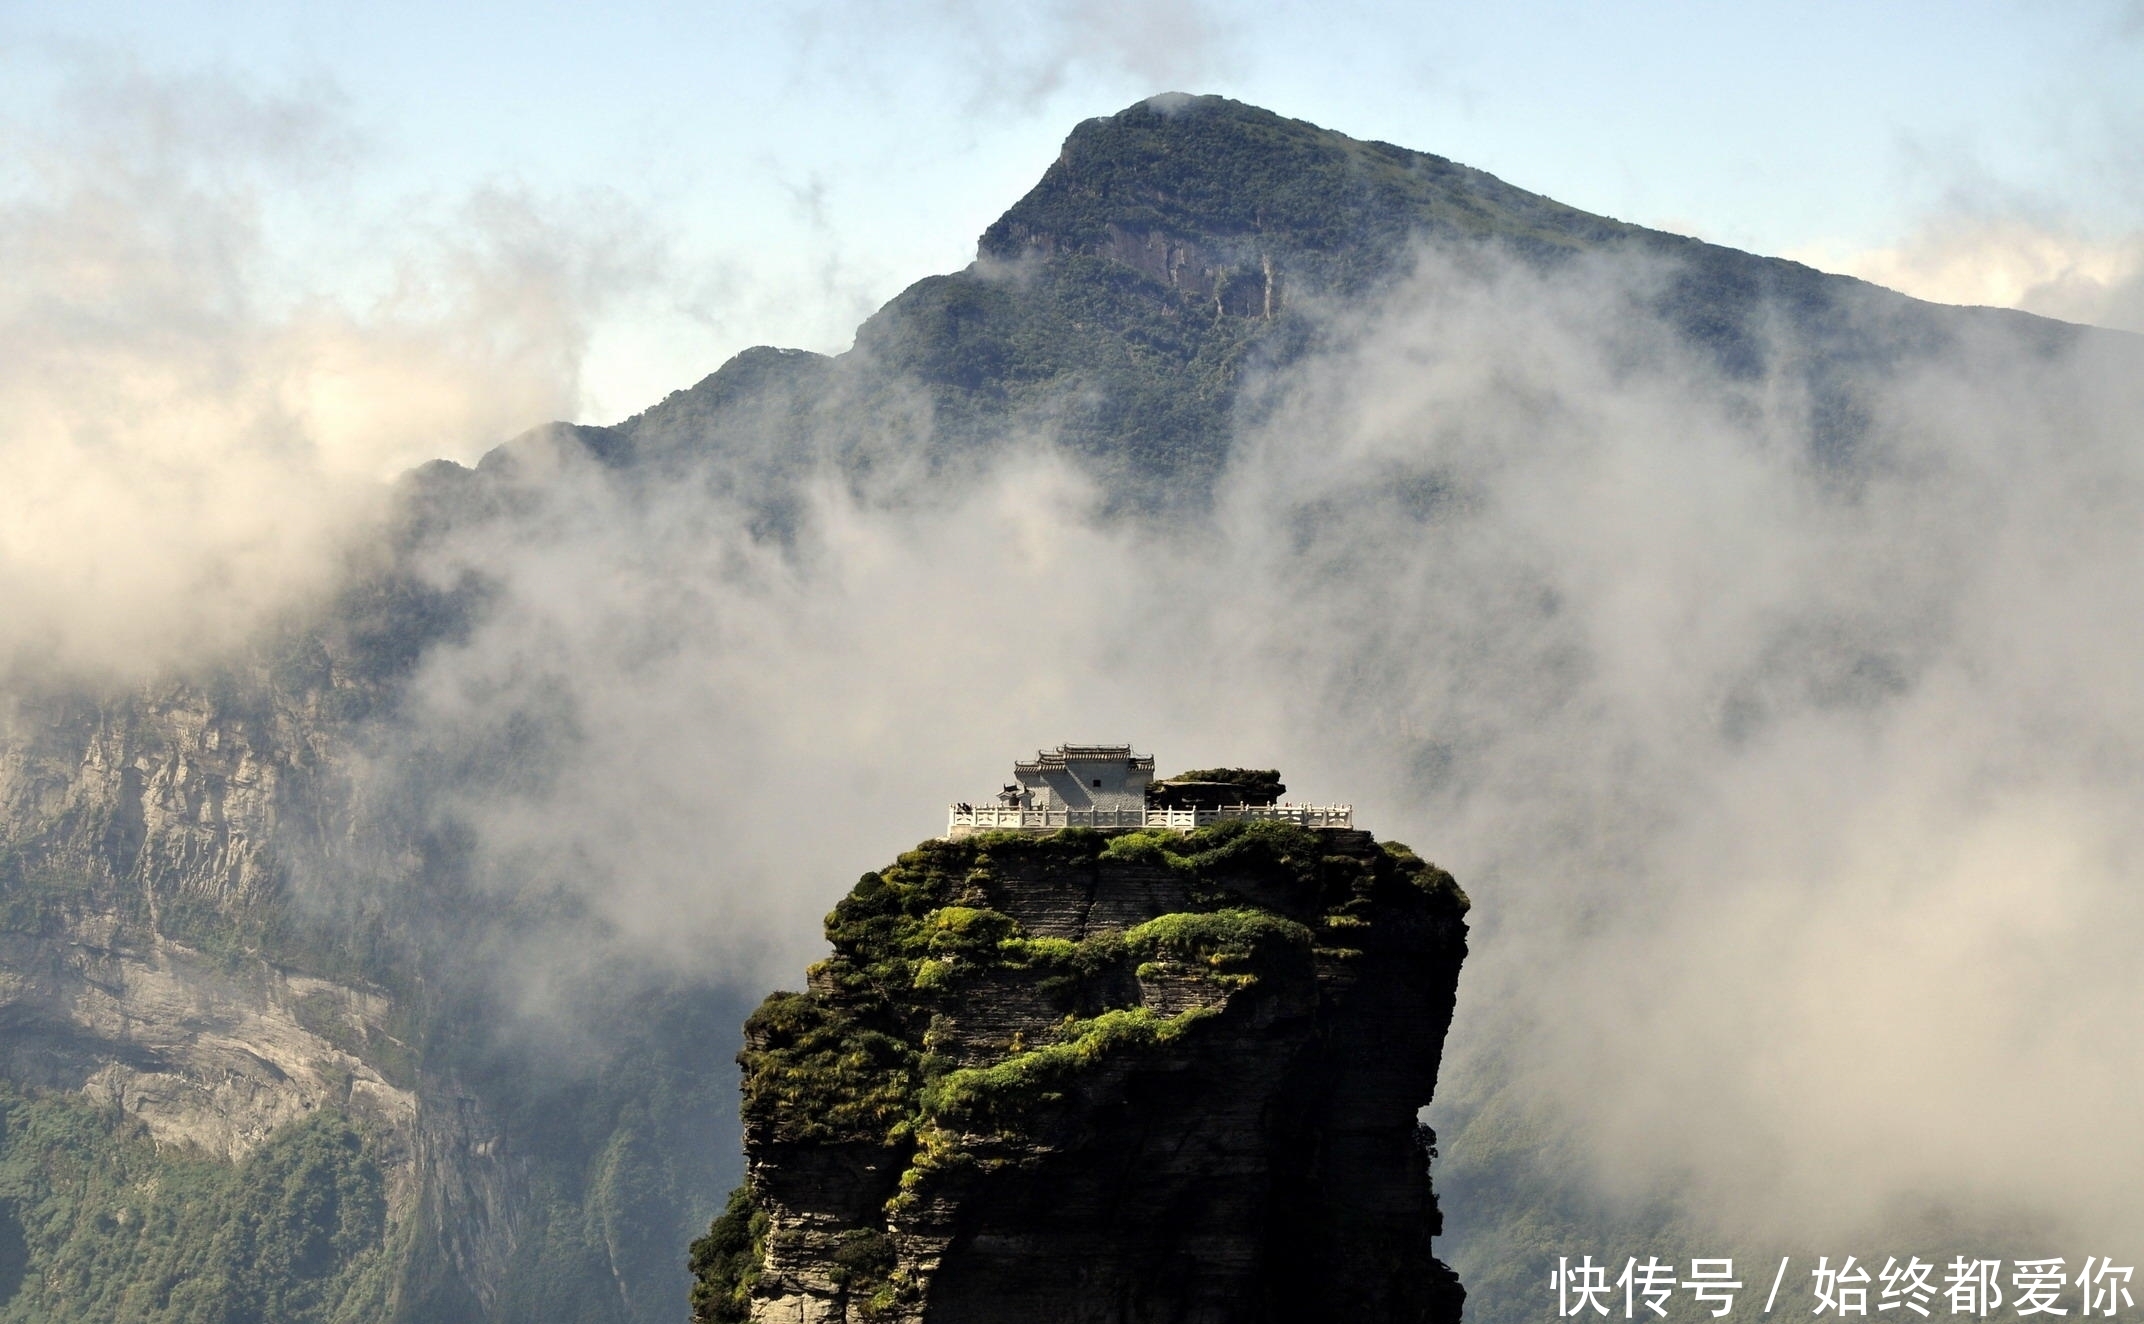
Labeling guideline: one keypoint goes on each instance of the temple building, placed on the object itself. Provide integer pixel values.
(1085, 777)
(1111, 789)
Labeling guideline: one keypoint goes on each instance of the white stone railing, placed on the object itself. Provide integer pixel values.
(1000, 818)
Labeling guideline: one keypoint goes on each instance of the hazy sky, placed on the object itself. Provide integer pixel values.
(770, 173)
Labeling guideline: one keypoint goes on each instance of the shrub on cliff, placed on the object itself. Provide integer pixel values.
(726, 1262)
(814, 1073)
(1000, 1097)
(1234, 945)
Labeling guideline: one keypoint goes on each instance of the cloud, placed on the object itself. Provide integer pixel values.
(733, 727)
(191, 444)
(1798, 812)
(2009, 262)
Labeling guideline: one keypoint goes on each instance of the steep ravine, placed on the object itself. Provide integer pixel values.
(1141, 1077)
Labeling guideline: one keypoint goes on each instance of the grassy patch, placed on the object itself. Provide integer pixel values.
(1232, 946)
(1000, 1097)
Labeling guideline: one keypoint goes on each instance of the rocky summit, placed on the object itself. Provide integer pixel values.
(1083, 1076)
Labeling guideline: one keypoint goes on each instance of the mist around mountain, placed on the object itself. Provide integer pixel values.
(1753, 644)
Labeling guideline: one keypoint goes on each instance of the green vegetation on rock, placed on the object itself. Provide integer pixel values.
(100, 1223)
(1230, 946)
(942, 1040)
(1260, 785)
(1207, 168)
(815, 1073)
(1001, 1096)
(726, 1262)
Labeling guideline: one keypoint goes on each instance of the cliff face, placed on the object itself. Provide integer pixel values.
(138, 837)
(155, 1067)
(188, 1036)
(1141, 1077)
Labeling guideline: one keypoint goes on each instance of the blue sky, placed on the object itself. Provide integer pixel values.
(735, 174)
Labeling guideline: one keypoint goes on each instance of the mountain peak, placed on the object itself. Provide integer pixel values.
(1212, 171)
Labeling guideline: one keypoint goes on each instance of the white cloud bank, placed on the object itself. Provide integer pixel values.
(189, 446)
(1798, 803)
(2009, 262)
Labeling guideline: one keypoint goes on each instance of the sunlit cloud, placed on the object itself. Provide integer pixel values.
(2008, 263)
(191, 444)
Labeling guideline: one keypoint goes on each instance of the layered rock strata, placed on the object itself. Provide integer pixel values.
(1103, 1078)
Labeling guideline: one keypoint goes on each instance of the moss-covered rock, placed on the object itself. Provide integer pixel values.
(1029, 1053)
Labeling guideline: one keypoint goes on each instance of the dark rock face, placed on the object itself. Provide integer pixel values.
(1088, 1078)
